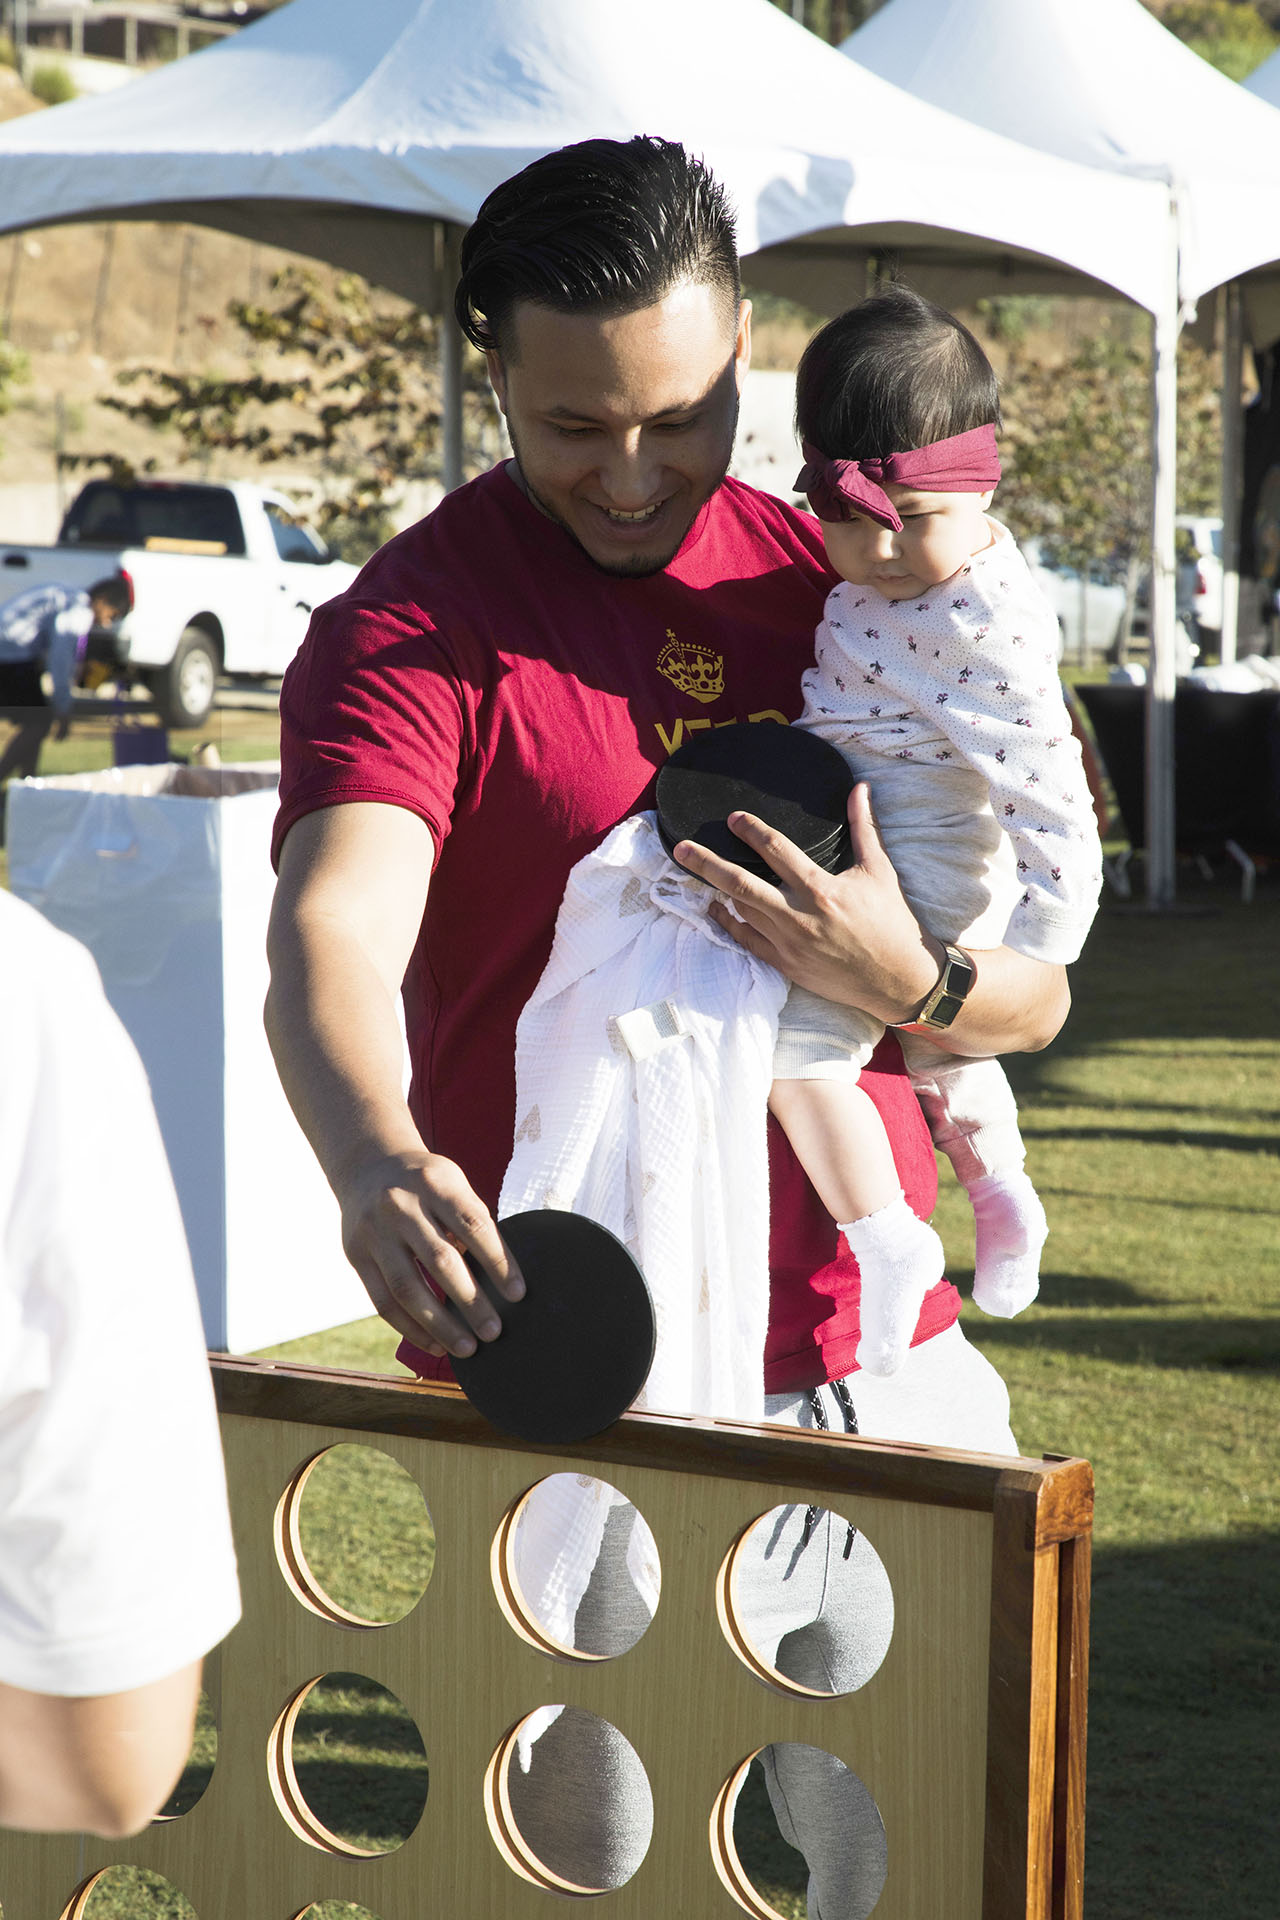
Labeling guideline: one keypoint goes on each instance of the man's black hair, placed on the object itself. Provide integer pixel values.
(605, 226)
(114, 589)
(892, 374)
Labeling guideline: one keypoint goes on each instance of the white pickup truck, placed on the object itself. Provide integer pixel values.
(222, 580)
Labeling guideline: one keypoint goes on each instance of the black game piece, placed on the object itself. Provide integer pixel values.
(575, 1352)
(792, 780)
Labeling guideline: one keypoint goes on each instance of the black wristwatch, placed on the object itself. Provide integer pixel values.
(945, 1001)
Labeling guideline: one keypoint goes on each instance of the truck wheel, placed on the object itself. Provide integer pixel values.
(184, 689)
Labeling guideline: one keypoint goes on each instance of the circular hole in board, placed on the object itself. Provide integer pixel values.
(575, 1568)
(353, 1537)
(347, 1767)
(568, 1802)
(334, 1910)
(128, 1893)
(762, 1866)
(805, 1602)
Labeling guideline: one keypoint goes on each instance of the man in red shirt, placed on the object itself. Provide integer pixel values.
(496, 691)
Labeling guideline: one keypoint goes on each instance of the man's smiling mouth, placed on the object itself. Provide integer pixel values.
(631, 519)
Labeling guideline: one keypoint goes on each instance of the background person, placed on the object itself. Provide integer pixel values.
(116, 1566)
(43, 631)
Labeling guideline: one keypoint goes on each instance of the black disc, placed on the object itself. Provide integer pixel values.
(794, 781)
(575, 1352)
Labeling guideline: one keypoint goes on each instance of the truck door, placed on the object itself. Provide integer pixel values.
(304, 582)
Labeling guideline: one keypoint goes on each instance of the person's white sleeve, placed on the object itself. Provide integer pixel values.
(116, 1560)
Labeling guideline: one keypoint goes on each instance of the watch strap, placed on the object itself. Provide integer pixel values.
(949, 995)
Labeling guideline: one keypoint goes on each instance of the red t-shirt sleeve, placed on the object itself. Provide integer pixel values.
(374, 708)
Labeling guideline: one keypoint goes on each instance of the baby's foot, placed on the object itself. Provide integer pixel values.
(1011, 1229)
(899, 1258)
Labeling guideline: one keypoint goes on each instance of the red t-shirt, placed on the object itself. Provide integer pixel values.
(483, 673)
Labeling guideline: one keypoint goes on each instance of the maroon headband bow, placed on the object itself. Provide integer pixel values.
(966, 463)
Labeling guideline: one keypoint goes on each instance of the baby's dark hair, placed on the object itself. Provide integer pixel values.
(892, 374)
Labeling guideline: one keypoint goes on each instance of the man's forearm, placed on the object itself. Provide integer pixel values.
(332, 1026)
(1016, 1005)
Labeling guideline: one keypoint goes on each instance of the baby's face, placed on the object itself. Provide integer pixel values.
(940, 531)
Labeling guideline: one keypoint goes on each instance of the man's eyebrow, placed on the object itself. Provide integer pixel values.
(563, 412)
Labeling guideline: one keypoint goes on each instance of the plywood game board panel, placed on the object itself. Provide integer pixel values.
(969, 1736)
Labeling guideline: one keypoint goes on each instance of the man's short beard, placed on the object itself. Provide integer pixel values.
(638, 568)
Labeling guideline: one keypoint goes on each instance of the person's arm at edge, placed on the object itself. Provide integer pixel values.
(352, 891)
(64, 643)
(853, 938)
(102, 1764)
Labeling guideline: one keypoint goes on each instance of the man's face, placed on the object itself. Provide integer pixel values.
(622, 427)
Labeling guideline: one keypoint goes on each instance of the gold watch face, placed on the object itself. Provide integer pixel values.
(947, 998)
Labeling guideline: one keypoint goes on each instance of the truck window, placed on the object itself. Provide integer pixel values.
(293, 540)
(107, 515)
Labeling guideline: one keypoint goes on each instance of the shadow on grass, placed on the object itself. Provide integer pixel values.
(1182, 1736)
(1218, 1140)
(360, 1762)
(1164, 1202)
(365, 1804)
(1081, 1290)
(1213, 1342)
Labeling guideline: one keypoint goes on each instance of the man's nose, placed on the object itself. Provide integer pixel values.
(630, 472)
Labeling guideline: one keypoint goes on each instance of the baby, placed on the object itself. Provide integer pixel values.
(936, 677)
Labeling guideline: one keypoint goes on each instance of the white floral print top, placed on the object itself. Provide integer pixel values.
(951, 708)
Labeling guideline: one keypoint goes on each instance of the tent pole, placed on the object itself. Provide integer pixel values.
(1162, 670)
(450, 357)
(1232, 466)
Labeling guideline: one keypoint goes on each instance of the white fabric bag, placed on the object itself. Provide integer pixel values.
(643, 1067)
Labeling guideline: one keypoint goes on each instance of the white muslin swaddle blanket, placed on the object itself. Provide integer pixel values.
(643, 1067)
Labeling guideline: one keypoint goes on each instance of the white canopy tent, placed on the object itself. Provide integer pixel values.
(336, 131)
(1102, 83)
(370, 136)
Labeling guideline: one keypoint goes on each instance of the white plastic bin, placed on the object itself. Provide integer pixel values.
(164, 873)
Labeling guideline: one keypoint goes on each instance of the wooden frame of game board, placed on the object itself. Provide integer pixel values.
(970, 1736)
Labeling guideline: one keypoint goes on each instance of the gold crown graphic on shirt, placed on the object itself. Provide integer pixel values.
(692, 669)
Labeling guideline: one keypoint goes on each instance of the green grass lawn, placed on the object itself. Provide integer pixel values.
(237, 733)
(1153, 1129)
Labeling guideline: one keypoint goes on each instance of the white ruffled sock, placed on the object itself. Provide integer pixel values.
(899, 1258)
(1010, 1231)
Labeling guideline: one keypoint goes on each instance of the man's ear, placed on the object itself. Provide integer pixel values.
(742, 345)
(497, 376)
